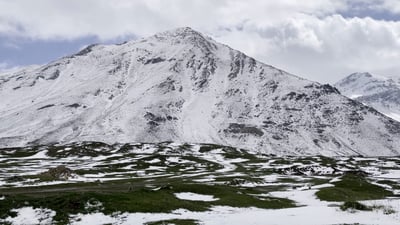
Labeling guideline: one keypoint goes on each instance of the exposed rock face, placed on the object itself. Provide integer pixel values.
(182, 86)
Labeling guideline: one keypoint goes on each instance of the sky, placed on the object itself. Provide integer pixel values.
(321, 40)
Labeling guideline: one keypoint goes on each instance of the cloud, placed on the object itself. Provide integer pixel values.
(314, 39)
(392, 6)
(48, 19)
(323, 49)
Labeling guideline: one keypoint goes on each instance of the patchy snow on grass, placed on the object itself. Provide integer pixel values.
(195, 197)
(31, 216)
(39, 155)
(317, 213)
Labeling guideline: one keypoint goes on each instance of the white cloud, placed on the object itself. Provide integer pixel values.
(388, 5)
(47, 19)
(305, 37)
(323, 49)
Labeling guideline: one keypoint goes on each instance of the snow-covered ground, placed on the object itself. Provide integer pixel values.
(31, 216)
(288, 177)
(29, 163)
(313, 213)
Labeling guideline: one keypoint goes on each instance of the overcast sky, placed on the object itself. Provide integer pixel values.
(322, 40)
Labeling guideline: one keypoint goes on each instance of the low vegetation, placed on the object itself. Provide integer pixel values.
(353, 187)
(94, 177)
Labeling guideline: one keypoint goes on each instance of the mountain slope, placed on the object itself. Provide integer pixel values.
(379, 92)
(182, 86)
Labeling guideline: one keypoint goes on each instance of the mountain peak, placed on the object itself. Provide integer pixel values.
(367, 74)
(182, 86)
(354, 77)
(180, 32)
(358, 79)
(185, 35)
(382, 93)
(360, 74)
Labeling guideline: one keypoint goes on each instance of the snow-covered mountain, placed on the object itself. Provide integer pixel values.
(382, 93)
(182, 86)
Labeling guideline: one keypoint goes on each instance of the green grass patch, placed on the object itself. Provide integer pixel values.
(317, 181)
(64, 205)
(209, 147)
(125, 197)
(353, 187)
(391, 183)
(236, 197)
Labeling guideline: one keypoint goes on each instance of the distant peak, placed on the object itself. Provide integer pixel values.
(363, 74)
(355, 77)
(366, 75)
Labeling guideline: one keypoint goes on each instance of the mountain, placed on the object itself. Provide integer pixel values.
(182, 86)
(379, 92)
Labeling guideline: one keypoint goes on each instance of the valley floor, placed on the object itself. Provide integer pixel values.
(168, 183)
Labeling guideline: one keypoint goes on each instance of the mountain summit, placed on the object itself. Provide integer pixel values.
(379, 92)
(183, 86)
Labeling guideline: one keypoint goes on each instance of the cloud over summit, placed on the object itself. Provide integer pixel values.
(320, 40)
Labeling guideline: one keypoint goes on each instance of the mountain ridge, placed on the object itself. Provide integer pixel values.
(182, 86)
(382, 93)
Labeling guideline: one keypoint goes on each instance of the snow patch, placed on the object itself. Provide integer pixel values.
(31, 216)
(195, 197)
(39, 155)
